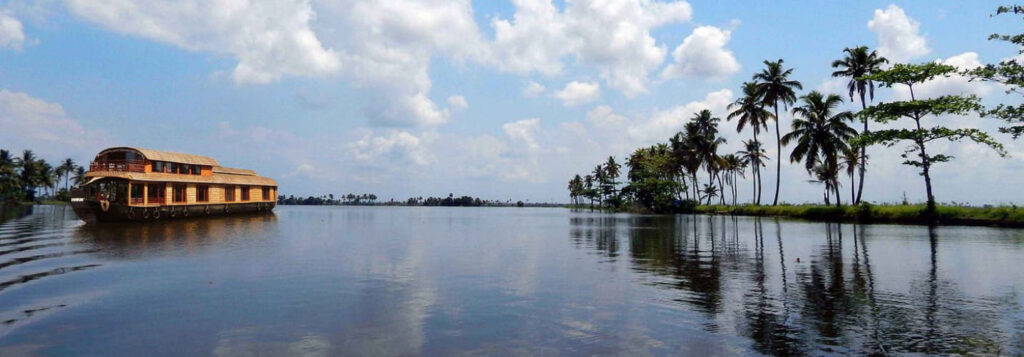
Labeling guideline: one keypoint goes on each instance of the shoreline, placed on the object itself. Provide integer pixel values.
(995, 216)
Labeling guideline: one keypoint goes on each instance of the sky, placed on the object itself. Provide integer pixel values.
(503, 100)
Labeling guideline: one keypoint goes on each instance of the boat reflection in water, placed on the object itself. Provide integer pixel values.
(129, 240)
(820, 298)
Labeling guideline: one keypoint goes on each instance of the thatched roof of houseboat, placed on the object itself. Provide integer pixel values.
(176, 157)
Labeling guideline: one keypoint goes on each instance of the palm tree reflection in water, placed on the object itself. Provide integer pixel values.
(825, 303)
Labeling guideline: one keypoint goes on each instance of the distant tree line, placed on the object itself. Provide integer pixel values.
(30, 178)
(371, 200)
(665, 177)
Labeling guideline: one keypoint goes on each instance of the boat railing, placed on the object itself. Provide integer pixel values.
(138, 200)
(123, 166)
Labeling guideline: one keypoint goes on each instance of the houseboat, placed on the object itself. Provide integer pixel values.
(134, 184)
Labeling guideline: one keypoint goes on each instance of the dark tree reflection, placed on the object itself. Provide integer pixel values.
(824, 303)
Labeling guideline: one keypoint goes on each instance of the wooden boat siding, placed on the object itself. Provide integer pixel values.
(216, 195)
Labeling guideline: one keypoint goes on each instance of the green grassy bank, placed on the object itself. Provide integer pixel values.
(1003, 216)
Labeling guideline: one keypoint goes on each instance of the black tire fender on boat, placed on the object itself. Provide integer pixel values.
(184, 212)
(173, 213)
(145, 213)
(207, 210)
(156, 213)
(131, 213)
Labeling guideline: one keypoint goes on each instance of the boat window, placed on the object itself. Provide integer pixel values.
(170, 167)
(158, 166)
(229, 193)
(136, 193)
(266, 193)
(197, 170)
(245, 193)
(157, 192)
(202, 193)
(179, 193)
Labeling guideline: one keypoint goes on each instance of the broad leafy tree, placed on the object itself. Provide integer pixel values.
(1009, 73)
(917, 110)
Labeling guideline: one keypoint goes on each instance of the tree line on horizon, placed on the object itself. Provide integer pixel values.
(371, 200)
(21, 177)
(666, 177)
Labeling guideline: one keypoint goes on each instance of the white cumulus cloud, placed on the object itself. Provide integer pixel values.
(703, 55)
(269, 39)
(11, 34)
(532, 90)
(611, 35)
(898, 37)
(457, 103)
(576, 93)
(32, 123)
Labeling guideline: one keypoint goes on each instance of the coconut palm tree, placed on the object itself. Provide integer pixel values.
(29, 173)
(851, 160)
(47, 178)
(734, 165)
(600, 180)
(705, 141)
(819, 132)
(612, 171)
(773, 88)
(80, 175)
(749, 111)
(754, 156)
(66, 168)
(588, 185)
(9, 184)
(827, 175)
(857, 63)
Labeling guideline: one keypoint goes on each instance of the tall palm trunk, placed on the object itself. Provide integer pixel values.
(758, 167)
(836, 188)
(721, 188)
(778, 155)
(753, 175)
(852, 186)
(863, 154)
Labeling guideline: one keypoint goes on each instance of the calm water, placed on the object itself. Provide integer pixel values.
(437, 281)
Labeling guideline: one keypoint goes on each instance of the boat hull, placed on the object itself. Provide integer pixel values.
(91, 211)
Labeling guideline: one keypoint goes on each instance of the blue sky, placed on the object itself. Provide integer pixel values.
(424, 97)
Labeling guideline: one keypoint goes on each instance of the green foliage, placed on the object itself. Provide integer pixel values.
(909, 74)
(890, 137)
(1010, 74)
(1010, 216)
(948, 104)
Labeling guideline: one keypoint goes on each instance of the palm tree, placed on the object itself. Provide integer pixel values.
(80, 175)
(754, 156)
(588, 184)
(749, 110)
(856, 64)
(600, 179)
(611, 170)
(827, 175)
(851, 160)
(734, 165)
(820, 133)
(28, 177)
(47, 178)
(775, 87)
(8, 176)
(703, 134)
(65, 170)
